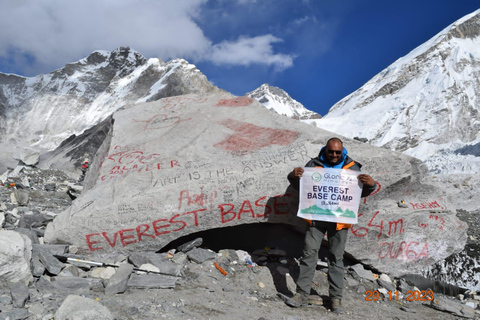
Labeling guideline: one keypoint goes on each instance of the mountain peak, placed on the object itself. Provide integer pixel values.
(124, 56)
(279, 101)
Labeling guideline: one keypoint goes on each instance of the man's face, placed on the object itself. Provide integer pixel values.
(333, 152)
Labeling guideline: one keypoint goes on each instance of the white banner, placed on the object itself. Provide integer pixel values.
(330, 195)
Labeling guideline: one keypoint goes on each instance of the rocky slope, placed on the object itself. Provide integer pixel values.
(426, 104)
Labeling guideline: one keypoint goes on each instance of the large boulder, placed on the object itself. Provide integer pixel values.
(15, 256)
(27, 156)
(184, 164)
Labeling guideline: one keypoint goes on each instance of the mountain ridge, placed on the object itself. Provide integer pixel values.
(32, 109)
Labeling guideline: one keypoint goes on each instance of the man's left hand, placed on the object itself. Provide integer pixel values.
(366, 179)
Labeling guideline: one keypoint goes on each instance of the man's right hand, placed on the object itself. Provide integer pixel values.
(297, 172)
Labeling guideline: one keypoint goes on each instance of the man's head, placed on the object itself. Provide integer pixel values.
(333, 150)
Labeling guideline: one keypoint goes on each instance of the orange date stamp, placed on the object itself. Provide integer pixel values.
(374, 295)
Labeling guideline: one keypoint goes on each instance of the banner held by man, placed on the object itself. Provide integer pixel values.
(330, 195)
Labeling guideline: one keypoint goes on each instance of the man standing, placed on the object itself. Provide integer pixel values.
(333, 155)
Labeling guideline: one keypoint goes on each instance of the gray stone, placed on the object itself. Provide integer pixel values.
(37, 267)
(75, 285)
(360, 270)
(164, 265)
(15, 255)
(387, 285)
(45, 286)
(51, 186)
(385, 277)
(39, 232)
(16, 314)
(21, 196)
(147, 268)
(5, 300)
(34, 221)
(190, 245)
(72, 249)
(54, 249)
(200, 255)
(20, 294)
(403, 286)
(70, 271)
(37, 309)
(32, 235)
(52, 264)
(102, 272)
(451, 306)
(189, 164)
(352, 282)
(229, 254)
(139, 258)
(180, 258)
(10, 219)
(152, 281)
(80, 308)
(118, 282)
(28, 156)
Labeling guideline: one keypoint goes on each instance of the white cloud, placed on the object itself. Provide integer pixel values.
(246, 51)
(55, 32)
(245, 2)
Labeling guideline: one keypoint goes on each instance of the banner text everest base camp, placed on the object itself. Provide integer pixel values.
(330, 195)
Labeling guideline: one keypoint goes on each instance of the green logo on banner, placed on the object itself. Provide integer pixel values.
(316, 177)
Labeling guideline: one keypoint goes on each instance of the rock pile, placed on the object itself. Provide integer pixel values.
(45, 281)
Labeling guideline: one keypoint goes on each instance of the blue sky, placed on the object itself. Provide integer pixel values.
(318, 51)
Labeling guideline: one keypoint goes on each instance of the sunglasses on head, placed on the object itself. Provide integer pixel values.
(334, 152)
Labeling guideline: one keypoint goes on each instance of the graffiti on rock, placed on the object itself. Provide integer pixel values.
(249, 137)
(126, 159)
(226, 213)
(235, 102)
(426, 205)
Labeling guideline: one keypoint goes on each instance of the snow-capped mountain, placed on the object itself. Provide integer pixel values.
(426, 104)
(44, 110)
(277, 100)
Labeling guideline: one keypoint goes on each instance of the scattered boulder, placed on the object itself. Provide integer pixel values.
(21, 197)
(118, 282)
(362, 273)
(15, 255)
(190, 245)
(164, 265)
(27, 156)
(200, 255)
(52, 264)
(103, 273)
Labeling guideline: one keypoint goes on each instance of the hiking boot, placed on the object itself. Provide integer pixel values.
(315, 300)
(298, 300)
(336, 306)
